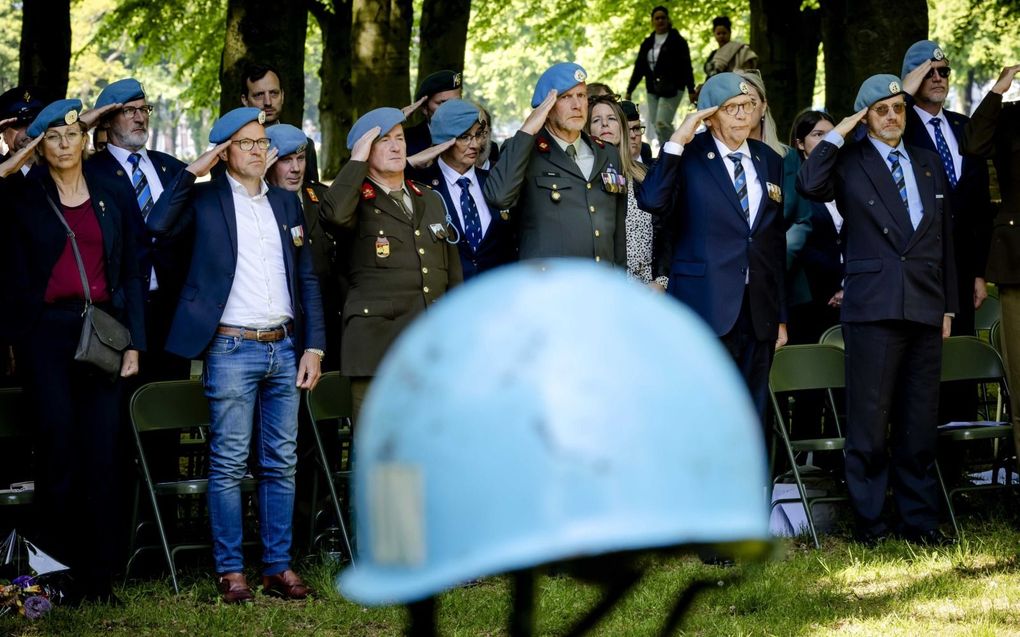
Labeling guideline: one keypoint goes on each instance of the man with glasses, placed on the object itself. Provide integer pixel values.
(899, 298)
(640, 150)
(250, 307)
(720, 194)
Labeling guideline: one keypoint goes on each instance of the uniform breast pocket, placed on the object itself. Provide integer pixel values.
(386, 245)
(553, 186)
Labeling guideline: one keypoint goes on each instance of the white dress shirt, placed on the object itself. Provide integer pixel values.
(155, 185)
(754, 186)
(947, 132)
(259, 296)
(585, 156)
(451, 176)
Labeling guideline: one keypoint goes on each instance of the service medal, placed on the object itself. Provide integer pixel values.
(382, 247)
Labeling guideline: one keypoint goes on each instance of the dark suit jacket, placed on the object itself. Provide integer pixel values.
(820, 256)
(207, 209)
(499, 244)
(673, 66)
(893, 272)
(713, 249)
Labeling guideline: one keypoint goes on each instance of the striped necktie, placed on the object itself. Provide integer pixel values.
(472, 220)
(944, 152)
(143, 194)
(740, 184)
(897, 175)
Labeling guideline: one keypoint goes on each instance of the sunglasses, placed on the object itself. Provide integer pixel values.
(943, 72)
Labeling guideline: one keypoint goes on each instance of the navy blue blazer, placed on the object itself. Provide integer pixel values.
(713, 248)
(207, 209)
(821, 255)
(893, 272)
(499, 244)
(170, 258)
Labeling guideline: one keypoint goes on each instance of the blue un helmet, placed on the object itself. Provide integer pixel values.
(577, 416)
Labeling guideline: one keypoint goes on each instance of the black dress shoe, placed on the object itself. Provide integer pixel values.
(930, 537)
(871, 539)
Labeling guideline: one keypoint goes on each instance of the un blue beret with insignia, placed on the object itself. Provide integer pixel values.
(562, 77)
(452, 119)
(721, 87)
(286, 139)
(59, 113)
(234, 121)
(120, 92)
(20, 102)
(919, 52)
(385, 118)
(438, 82)
(877, 88)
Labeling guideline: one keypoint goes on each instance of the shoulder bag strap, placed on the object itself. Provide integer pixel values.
(74, 248)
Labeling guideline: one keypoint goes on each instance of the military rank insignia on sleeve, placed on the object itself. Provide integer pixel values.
(312, 195)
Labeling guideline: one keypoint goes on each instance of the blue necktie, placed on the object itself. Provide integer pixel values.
(901, 185)
(740, 184)
(472, 221)
(143, 194)
(944, 153)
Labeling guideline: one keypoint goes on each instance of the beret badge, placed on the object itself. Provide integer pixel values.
(71, 117)
(457, 80)
(894, 88)
(744, 88)
(27, 97)
(938, 54)
(262, 117)
(579, 75)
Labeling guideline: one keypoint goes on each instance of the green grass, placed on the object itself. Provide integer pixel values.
(894, 589)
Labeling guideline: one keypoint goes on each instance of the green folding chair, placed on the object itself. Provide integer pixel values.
(995, 337)
(799, 368)
(985, 316)
(833, 336)
(15, 434)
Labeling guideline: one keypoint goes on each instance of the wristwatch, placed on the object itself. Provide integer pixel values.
(314, 350)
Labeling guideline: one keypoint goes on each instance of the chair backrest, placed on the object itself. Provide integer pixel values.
(331, 398)
(170, 404)
(805, 367)
(833, 336)
(995, 336)
(13, 423)
(989, 312)
(970, 358)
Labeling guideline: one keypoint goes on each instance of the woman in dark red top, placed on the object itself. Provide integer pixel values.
(75, 408)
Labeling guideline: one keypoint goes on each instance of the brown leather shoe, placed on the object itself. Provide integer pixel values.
(235, 588)
(286, 585)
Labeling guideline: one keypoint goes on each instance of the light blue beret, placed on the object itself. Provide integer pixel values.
(121, 91)
(452, 119)
(385, 118)
(918, 53)
(59, 113)
(562, 76)
(286, 139)
(877, 88)
(721, 87)
(234, 121)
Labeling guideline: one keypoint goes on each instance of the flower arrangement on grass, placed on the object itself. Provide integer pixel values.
(26, 596)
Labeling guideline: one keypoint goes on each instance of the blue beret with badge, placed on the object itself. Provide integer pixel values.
(120, 92)
(919, 52)
(286, 139)
(877, 88)
(234, 121)
(20, 103)
(562, 77)
(385, 118)
(59, 113)
(721, 87)
(452, 119)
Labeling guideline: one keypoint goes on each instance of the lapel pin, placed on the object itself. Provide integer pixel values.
(711, 155)
(120, 173)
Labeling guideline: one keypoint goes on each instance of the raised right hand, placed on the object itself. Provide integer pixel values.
(845, 127)
(411, 108)
(205, 162)
(536, 120)
(685, 132)
(363, 147)
(18, 159)
(1005, 79)
(912, 82)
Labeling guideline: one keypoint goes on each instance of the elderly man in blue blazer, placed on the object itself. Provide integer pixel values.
(251, 308)
(899, 298)
(721, 195)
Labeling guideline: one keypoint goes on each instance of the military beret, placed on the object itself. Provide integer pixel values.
(630, 110)
(918, 53)
(562, 76)
(721, 87)
(234, 121)
(120, 92)
(437, 83)
(19, 102)
(877, 88)
(385, 118)
(286, 139)
(59, 113)
(452, 119)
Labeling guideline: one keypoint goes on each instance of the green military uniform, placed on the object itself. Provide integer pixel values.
(326, 258)
(397, 266)
(560, 212)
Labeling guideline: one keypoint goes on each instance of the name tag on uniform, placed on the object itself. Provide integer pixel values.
(297, 235)
(775, 192)
(938, 196)
(612, 181)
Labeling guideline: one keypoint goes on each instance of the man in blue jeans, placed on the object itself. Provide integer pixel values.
(251, 307)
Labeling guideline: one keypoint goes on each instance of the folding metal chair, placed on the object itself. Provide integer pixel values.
(833, 336)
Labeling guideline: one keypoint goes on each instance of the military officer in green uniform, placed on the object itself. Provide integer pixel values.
(566, 188)
(403, 254)
(288, 170)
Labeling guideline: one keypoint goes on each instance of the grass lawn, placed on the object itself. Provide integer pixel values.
(844, 589)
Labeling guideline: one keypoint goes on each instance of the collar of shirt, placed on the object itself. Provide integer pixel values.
(122, 154)
(582, 149)
(927, 117)
(884, 150)
(744, 149)
(452, 176)
(239, 189)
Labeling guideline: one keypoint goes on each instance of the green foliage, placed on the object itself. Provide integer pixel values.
(10, 38)
(977, 36)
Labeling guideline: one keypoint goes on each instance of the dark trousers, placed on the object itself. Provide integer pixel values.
(752, 356)
(77, 419)
(892, 378)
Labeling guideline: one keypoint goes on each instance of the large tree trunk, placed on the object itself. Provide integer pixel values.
(45, 50)
(335, 104)
(862, 38)
(265, 32)
(786, 40)
(442, 36)
(380, 64)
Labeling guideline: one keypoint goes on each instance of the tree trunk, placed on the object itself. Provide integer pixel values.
(862, 38)
(380, 64)
(335, 104)
(786, 39)
(442, 36)
(265, 32)
(45, 50)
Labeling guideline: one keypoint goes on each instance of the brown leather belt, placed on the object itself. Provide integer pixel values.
(263, 335)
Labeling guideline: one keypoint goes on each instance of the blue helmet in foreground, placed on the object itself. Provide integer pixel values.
(576, 414)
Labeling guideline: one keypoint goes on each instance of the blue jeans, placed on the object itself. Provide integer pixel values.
(661, 111)
(251, 387)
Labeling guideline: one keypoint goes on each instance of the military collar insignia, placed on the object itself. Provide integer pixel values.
(367, 191)
(414, 188)
(894, 88)
(71, 117)
(543, 144)
(311, 194)
(27, 97)
(597, 140)
(456, 80)
(262, 117)
(744, 88)
(938, 54)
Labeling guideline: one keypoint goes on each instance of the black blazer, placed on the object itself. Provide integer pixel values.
(36, 238)
(821, 254)
(673, 66)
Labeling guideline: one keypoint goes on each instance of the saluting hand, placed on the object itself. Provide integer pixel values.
(685, 133)
(271, 157)
(205, 162)
(850, 122)
(912, 82)
(427, 156)
(536, 120)
(411, 108)
(18, 159)
(1005, 79)
(363, 147)
(89, 118)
